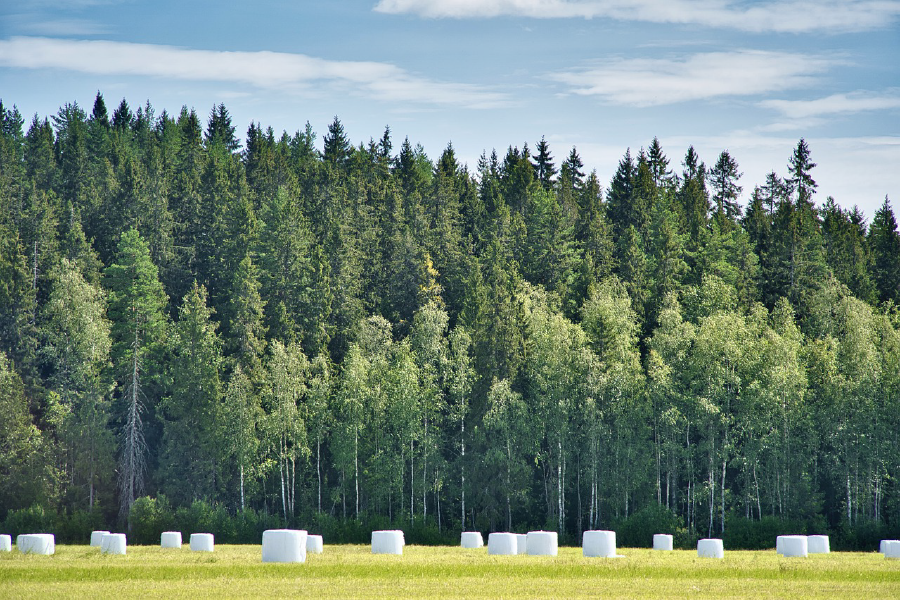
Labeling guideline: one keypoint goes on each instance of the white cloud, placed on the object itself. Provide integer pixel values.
(655, 82)
(791, 16)
(279, 71)
(850, 103)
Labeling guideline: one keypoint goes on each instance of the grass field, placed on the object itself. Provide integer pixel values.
(442, 572)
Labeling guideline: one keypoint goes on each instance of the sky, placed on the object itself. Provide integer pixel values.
(603, 76)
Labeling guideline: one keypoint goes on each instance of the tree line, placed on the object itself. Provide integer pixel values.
(358, 332)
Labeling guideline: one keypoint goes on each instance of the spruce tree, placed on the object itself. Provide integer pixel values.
(884, 241)
(544, 169)
(137, 306)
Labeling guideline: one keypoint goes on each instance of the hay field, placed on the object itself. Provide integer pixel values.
(442, 572)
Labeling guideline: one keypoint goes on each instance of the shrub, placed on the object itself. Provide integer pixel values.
(76, 528)
(637, 530)
(34, 519)
(149, 518)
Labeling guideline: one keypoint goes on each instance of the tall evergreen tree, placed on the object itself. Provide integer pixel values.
(723, 178)
(137, 311)
(884, 240)
(544, 169)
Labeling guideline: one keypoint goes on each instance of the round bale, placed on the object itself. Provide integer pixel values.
(471, 539)
(599, 542)
(541, 543)
(663, 541)
(170, 539)
(284, 545)
(97, 537)
(36, 543)
(113, 543)
(502, 543)
(818, 544)
(202, 542)
(710, 548)
(387, 542)
(314, 544)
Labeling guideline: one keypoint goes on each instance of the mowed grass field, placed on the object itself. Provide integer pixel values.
(442, 572)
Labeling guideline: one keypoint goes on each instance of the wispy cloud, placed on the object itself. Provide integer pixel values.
(656, 82)
(836, 104)
(294, 73)
(64, 27)
(791, 16)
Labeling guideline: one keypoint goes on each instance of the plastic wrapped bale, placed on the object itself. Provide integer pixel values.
(5, 543)
(113, 543)
(284, 545)
(170, 539)
(36, 543)
(599, 543)
(521, 543)
(502, 544)
(663, 541)
(387, 542)
(471, 539)
(882, 544)
(891, 548)
(314, 544)
(97, 537)
(541, 543)
(202, 542)
(779, 544)
(794, 546)
(710, 548)
(818, 544)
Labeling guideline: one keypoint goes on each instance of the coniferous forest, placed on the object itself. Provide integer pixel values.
(198, 329)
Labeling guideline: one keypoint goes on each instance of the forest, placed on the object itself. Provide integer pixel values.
(262, 331)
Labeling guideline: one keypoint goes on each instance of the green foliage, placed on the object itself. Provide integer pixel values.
(359, 339)
(638, 529)
(33, 519)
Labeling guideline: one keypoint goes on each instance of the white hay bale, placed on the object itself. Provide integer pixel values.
(36, 543)
(891, 548)
(5, 543)
(710, 548)
(503, 544)
(663, 541)
(521, 543)
(96, 537)
(796, 546)
(599, 542)
(387, 542)
(170, 539)
(471, 539)
(202, 542)
(818, 544)
(284, 545)
(314, 544)
(541, 543)
(113, 543)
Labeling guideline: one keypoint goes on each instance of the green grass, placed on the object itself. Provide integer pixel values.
(442, 572)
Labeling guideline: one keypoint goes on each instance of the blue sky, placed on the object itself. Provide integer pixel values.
(601, 75)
